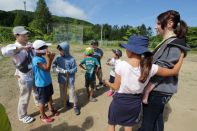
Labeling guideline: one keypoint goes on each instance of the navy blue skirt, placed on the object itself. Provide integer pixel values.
(125, 109)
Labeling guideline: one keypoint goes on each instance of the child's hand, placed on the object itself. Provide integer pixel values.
(106, 83)
(50, 55)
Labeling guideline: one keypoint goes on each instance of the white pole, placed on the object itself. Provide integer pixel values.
(101, 34)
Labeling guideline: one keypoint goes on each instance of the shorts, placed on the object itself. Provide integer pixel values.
(125, 109)
(92, 84)
(111, 79)
(44, 93)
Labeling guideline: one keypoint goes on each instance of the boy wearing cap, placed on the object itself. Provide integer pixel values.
(43, 81)
(98, 54)
(91, 65)
(112, 63)
(66, 67)
(22, 54)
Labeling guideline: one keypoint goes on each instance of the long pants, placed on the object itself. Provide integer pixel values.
(99, 75)
(153, 112)
(72, 94)
(25, 88)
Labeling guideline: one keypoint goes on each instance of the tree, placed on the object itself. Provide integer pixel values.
(20, 19)
(42, 17)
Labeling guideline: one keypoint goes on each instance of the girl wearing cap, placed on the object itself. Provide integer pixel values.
(43, 82)
(112, 62)
(173, 30)
(131, 76)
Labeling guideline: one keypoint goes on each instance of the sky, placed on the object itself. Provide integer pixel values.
(113, 12)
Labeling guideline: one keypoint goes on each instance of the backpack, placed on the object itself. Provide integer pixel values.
(25, 66)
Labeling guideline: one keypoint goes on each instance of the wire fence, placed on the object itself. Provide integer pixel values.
(68, 32)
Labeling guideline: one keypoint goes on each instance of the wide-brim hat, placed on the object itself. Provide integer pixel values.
(137, 44)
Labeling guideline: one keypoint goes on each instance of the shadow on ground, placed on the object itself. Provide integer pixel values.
(87, 124)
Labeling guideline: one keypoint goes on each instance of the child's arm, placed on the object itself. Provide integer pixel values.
(116, 84)
(80, 65)
(162, 72)
(73, 68)
(49, 59)
(171, 72)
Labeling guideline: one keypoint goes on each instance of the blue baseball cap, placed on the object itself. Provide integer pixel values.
(137, 44)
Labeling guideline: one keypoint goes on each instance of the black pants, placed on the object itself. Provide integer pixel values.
(153, 112)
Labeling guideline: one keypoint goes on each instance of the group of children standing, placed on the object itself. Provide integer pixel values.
(66, 67)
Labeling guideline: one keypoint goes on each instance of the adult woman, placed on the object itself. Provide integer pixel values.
(173, 31)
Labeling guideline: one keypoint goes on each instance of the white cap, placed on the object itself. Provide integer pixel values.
(40, 43)
(20, 30)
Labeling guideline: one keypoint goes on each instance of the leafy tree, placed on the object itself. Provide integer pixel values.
(192, 37)
(20, 19)
(42, 17)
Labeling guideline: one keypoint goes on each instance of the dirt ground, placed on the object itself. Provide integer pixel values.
(180, 113)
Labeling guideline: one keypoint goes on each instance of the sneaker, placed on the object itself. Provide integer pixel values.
(27, 119)
(92, 99)
(77, 110)
(110, 93)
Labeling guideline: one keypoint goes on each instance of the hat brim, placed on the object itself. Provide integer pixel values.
(24, 32)
(134, 49)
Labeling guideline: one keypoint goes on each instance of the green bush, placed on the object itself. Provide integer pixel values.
(6, 34)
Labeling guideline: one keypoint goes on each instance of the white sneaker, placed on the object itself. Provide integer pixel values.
(27, 119)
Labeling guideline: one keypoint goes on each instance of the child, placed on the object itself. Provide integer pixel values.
(130, 79)
(113, 62)
(43, 82)
(65, 66)
(91, 65)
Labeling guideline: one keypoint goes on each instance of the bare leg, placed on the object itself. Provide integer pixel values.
(111, 127)
(127, 128)
(50, 104)
(147, 91)
(42, 110)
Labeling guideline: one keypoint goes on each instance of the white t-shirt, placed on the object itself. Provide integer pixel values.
(113, 63)
(129, 78)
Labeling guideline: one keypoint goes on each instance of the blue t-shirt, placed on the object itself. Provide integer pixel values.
(90, 65)
(42, 77)
(98, 53)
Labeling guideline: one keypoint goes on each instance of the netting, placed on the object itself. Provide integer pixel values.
(68, 32)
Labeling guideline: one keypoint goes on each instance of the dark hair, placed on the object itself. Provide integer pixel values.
(59, 48)
(145, 65)
(179, 26)
(94, 42)
(43, 47)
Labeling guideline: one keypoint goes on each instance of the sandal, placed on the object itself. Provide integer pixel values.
(54, 113)
(27, 119)
(46, 119)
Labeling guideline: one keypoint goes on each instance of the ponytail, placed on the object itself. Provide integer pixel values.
(181, 30)
(145, 66)
(179, 26)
